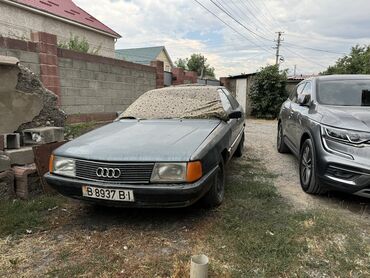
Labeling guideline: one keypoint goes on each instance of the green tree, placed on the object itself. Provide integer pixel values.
(357, 62)
(268, 92)
(198, 63)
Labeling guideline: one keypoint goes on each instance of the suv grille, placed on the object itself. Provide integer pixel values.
(129, 172)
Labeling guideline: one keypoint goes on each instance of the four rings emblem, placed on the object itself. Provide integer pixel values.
(111, 173)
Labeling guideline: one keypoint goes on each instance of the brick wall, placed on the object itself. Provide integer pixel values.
(93, 84)
(25, 51)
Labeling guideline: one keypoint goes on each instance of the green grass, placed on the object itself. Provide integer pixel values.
(16, 216)
(259, 235)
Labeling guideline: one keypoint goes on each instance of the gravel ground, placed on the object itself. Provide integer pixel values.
(261, 143)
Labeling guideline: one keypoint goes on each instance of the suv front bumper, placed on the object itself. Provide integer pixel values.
(146, 195)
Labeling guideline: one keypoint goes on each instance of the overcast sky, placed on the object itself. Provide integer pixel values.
(185, 27)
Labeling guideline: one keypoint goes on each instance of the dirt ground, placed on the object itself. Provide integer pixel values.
(88, 241)
(261, 142)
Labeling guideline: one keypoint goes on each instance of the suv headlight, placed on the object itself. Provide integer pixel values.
(346, 136)
(62, 166)
(176, 172)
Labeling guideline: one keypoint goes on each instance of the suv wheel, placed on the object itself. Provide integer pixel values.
(307, 169)
(215, 195)
(280, 144)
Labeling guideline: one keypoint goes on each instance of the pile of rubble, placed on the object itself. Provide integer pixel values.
(29, 120)
(19, 175)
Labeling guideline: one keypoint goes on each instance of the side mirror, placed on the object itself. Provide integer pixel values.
(304, 99)
(235, 115)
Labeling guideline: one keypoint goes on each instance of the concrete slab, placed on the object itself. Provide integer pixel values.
(4, 163)
(9, 61)
(21, 156)
(43, 135)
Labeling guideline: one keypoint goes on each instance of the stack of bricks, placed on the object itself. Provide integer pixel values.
(48, 50)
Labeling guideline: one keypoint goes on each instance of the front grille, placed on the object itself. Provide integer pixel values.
(130, 172)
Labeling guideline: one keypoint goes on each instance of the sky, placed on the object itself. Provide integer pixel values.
(316, 32)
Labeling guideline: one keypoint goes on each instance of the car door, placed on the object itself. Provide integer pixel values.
(233, 123)
(236, 106)
(291, 107)
(299, 113)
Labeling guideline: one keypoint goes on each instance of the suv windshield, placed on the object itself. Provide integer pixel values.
(344, 92)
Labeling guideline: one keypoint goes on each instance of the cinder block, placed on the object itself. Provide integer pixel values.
(4, 163)
(7, 185)
(27, 181)
(43, 135)
(10, 141)
(20, 156)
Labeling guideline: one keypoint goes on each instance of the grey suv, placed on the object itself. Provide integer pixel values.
(326, 124)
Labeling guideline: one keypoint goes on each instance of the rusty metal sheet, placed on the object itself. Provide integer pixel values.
(42, 155)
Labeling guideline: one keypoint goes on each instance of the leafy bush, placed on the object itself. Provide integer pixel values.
(268, 92)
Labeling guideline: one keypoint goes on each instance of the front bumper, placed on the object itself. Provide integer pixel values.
(146, 195)
(338, 172)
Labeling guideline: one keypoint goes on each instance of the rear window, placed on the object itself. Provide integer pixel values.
(344, 92)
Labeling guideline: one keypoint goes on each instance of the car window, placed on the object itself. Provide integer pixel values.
(297, 92)
(225, 101)
(234, 103)
(307, 89)
(344, 92)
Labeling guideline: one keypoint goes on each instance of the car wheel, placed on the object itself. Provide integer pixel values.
(280, 144)
(215, 195)
(307, 169)
(239, 150)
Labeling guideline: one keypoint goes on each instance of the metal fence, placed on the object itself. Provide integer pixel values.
(167, 78)
(209, 82)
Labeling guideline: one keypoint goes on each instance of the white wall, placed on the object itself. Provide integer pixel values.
(19, 23)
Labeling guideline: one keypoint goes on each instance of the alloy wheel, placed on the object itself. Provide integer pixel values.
(306, 166)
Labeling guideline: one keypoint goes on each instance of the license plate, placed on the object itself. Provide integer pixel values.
(123, 195)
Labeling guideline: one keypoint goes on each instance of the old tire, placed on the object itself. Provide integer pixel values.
(307, 169)
(215, 195)
(280, 144)
(239, 150)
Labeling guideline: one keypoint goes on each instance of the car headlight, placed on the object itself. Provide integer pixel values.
(62, 166)
(176, 172)
(346, 136)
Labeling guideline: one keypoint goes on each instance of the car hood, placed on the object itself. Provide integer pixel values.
(355, 118)
(140, 140)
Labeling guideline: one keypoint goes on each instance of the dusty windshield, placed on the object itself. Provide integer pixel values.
(201, 102)
(344, 93)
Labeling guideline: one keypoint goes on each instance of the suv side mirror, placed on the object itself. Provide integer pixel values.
(304, 99)
(235, 115)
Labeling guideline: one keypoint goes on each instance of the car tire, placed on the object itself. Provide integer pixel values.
(280, 144)
(239, 150)
(215, 195)
(307, 169)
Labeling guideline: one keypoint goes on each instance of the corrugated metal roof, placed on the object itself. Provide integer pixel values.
(68, 10)
(300, 77)
(142, 55)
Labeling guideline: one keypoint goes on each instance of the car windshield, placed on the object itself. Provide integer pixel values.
(344, 93)
(178, 103)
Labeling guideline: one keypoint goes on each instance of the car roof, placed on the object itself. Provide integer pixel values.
(339, 77)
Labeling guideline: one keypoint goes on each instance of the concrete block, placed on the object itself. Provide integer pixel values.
(27, 181)
(10, 141)
(20, 156)
(4, 163)
(7, 185)
(43, 135)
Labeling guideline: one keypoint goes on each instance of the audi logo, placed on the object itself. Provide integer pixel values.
(111, 173)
